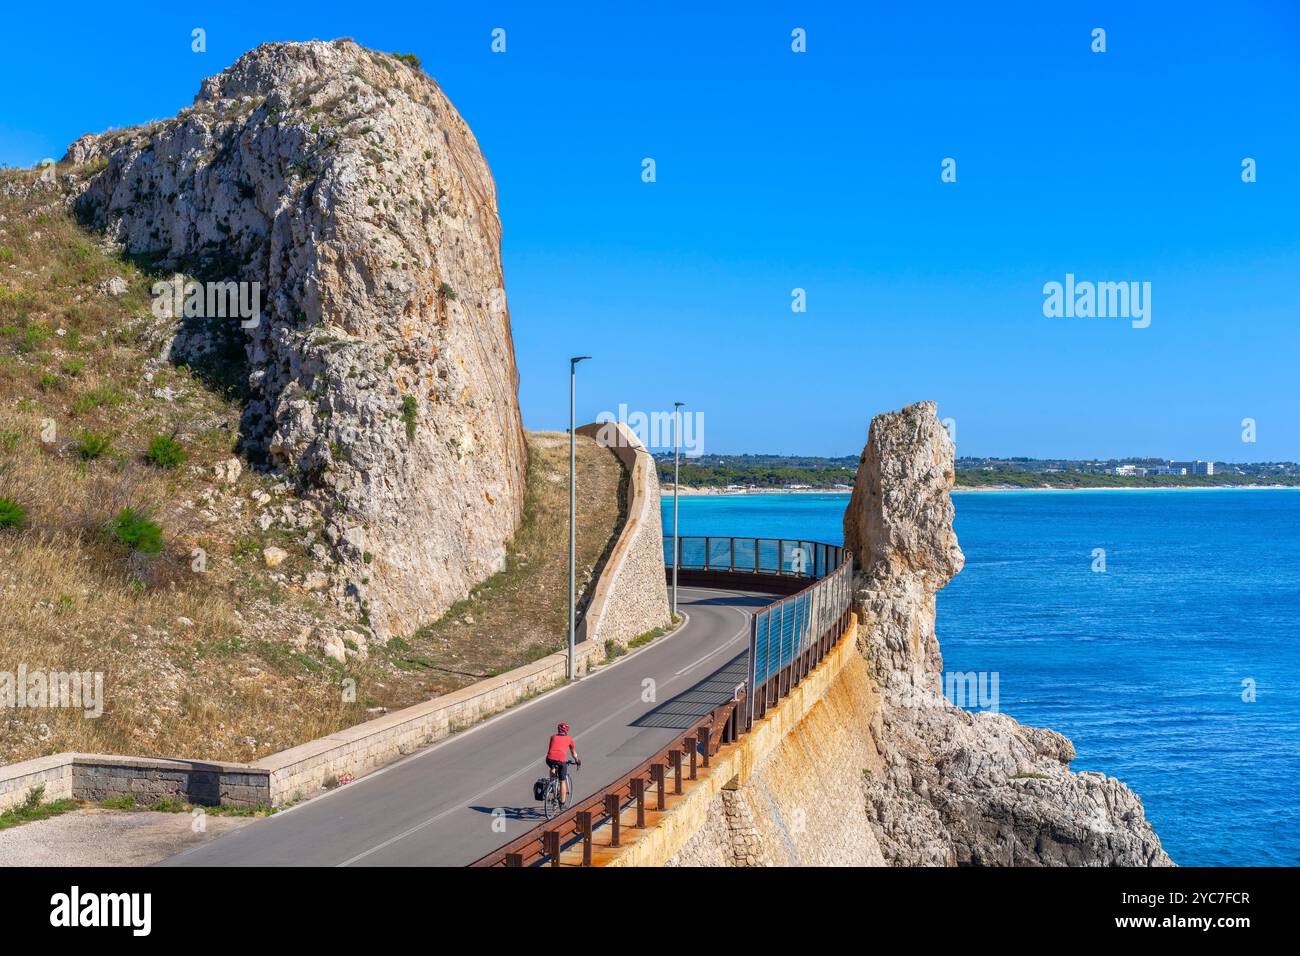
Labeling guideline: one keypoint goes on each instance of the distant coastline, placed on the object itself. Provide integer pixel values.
(689, 492)
(994, 489)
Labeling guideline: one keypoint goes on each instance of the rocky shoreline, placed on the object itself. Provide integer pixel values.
(958, 788)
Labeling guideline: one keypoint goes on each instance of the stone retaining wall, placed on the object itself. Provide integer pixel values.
(631, 596)
(148, 780)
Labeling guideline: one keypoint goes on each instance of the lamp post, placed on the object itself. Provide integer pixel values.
(677, 446)
(573, 365)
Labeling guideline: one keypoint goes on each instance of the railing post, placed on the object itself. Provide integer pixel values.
(514, 859)
(638, 793)
(706, 733)
(675, 758)
(657, 771)
(612, 810)
(692, 743)
(706, 552)
(733, 553)
(584, 827)
(551, 846)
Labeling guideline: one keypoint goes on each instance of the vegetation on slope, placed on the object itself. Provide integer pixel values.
(123, 553)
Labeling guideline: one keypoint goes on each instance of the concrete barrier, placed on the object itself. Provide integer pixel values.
(147, 780)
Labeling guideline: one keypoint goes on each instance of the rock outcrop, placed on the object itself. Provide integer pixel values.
(380, 373)
(955, 787)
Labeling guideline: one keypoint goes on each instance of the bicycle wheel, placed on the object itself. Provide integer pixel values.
(551, 803)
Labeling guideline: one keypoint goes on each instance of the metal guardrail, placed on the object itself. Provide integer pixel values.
(796, 634)
(784, 556)
(788, 638)
(546, 842)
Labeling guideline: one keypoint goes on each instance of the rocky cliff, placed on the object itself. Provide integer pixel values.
(380, 373)
(882, 770)
(957, 787)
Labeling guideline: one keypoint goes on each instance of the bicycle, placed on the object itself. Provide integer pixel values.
(551, 804)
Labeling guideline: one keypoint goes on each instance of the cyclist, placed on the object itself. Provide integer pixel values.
(557, 755)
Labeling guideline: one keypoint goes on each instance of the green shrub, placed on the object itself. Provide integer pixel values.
(49, 382)
(93, 445)
(409, 409)
(12, 514)
(446, 291)
(96, 397)
(134, 529)
(72, 367)
(409, 58)
(165, 452)
(33, 338)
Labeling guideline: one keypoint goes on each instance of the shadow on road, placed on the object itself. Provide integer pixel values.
(531, 814)
(690, 705)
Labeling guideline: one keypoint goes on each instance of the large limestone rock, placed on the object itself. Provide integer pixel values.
(955, 787)
(381, 374)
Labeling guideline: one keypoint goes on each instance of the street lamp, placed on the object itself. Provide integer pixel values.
(677, 446)
(573, 365)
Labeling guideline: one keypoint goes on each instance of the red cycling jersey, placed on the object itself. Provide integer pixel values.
(559, 747)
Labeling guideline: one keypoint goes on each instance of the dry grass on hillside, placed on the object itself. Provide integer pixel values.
(522, 613)
(223, 662)
(82, 396)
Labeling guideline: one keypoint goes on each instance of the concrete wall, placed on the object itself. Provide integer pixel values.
(631, 596)
(148, 780)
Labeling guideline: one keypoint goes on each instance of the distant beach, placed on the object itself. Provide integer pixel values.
(687, 491)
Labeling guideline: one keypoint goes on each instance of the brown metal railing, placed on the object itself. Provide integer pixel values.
(668, 768)
(818, 631)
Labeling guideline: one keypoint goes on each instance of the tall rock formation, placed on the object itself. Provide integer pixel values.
(380, 374)
(956, 787)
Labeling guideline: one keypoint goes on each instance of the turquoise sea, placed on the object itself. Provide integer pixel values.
(1148, 666)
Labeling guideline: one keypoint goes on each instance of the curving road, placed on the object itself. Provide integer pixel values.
(469, 794)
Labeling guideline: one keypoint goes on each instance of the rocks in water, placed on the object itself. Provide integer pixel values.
(379, 368)
(957, 787)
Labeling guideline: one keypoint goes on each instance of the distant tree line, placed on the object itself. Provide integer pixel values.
(773, 471)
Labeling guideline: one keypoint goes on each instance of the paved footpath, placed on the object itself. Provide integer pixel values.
(436, 807)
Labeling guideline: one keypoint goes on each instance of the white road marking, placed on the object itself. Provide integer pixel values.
(532, 764)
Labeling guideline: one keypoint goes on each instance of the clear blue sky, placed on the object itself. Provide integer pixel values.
(821, 170)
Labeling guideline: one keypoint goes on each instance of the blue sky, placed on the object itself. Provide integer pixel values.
(821, 171)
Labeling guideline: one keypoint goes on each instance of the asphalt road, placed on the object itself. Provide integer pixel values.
(467, 795)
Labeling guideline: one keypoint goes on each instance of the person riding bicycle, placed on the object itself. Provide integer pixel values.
(557, 755)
